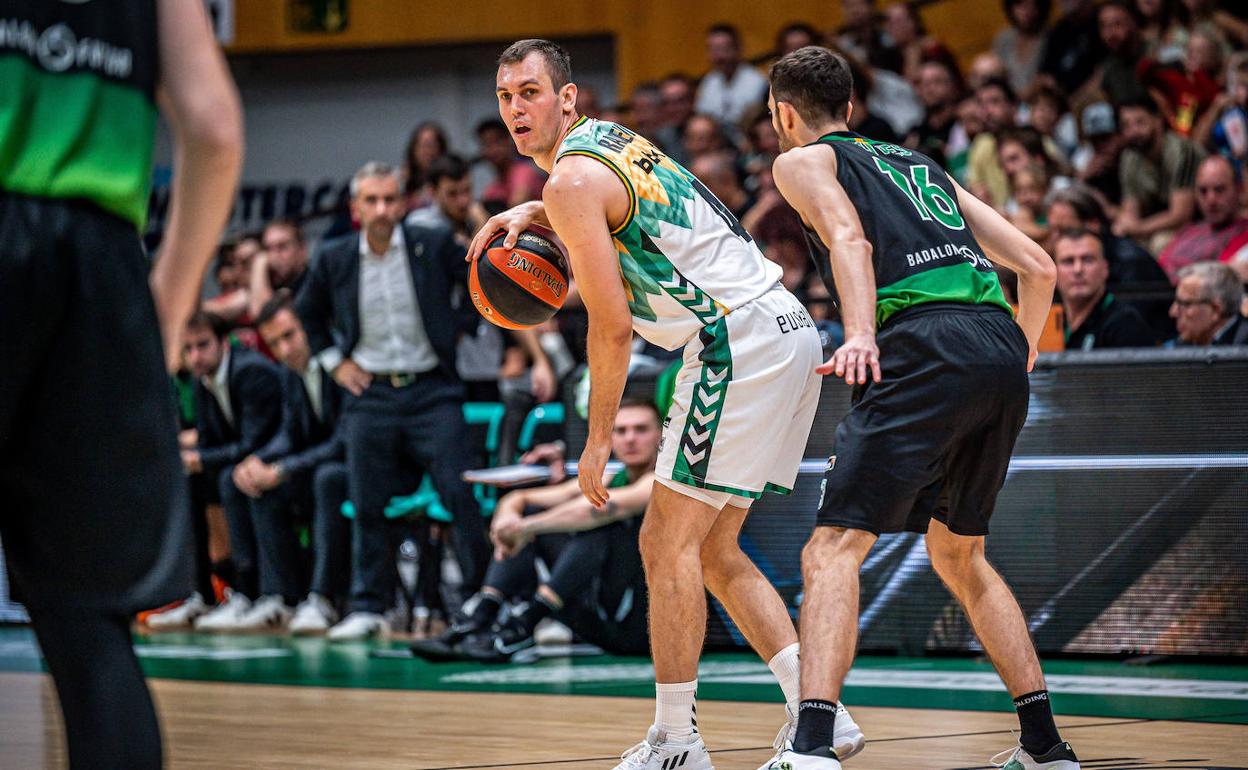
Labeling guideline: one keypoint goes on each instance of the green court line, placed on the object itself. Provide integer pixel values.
(939, 683)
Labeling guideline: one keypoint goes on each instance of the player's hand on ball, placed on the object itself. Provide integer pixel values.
(853, 360)
(589, 473)
(513, 221)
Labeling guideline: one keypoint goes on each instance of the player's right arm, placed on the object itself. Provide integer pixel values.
(806, 177)
(199, 100)
(1006, 245)
(581, 198)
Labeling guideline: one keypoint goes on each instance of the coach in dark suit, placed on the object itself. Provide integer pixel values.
(238, 405)
(378, 313)
(304, 463)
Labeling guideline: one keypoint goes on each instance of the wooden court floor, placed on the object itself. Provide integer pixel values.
(216, 725)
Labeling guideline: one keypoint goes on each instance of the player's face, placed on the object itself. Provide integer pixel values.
(203, 352)
(635, 438)
(284, 335)
(1081, 268)
(530, 106)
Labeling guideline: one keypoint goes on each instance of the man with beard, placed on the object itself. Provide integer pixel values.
(1157, 169)
(938, 90)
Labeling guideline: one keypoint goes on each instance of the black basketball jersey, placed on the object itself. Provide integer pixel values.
(921, 248)
(78, 101)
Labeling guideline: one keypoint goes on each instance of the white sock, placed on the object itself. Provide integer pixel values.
(788, 670)
(674, 709)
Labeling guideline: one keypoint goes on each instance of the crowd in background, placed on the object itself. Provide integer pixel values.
(1115, 135)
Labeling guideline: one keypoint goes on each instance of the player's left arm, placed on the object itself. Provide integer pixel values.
(806, 177)
(578, 200)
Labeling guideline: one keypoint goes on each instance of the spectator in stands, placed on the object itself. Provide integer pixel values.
(795, 35)
(1157, 171)
(587, 102)
(1078, 207)
(984, 67)
(516, 179)
(1048, 113)
(1096, 161)
(645, 109)
(702, 135)
(1158, 26)
(1218, 196)
(1091, 316)
(451, 197)
(426, 144)
(232, 273)
(998, 108)
(238, 408)
(1074, 47)
(1121, 38)
(677, 97)
(283, 264)
(719, 174)
(938, 89)
(865, 118)
(1239, 263)
(862, 36)
(1225, 126)
(732, 86)
(1207, 304)
(1021, 147)
(1189, 91)
(904, 25)
(596, 585)
(1021, 45)
(303, 466)
(970, 124)
(762, 147)
(1025, 208)
(378, 314)
(1210, 17)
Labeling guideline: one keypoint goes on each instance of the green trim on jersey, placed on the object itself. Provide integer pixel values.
(645, 268)
(95, 138)
(697, 438)
(974, 287)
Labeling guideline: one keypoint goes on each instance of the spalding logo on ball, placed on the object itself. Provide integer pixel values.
(521, 287)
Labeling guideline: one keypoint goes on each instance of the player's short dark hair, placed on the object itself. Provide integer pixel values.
(558, 62)
(724, 28)
(203, 320)
(816, 81)
(449, 166)
(642, 403)
(281, 300)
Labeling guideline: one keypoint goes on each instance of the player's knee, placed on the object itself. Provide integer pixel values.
(828, 547)
(954, 558)
(720, 563)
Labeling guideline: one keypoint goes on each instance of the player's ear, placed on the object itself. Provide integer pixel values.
(568, 95)
(849, 111)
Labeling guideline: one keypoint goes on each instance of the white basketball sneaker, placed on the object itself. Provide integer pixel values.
(181, 616)
(314, 615)
(225, 616)
(1060, 757)
(791, 760)
(847, 740)
(359, 626)
(266, 612)
(656, 752)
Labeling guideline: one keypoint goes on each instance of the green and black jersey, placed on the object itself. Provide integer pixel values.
(922, 249)
(77, 101)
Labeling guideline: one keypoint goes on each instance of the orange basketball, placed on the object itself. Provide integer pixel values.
(521, 287)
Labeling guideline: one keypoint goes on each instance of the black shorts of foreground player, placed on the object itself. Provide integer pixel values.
(940, 392)
(596, 585)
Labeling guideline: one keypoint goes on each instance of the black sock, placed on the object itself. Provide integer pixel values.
(533, 613)
(1035, 716)
(816, 723)
(487, 608)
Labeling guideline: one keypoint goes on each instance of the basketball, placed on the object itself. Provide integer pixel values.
(521, 287)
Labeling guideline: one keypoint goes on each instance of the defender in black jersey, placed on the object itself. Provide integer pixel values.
(93, 510)
(939, 368)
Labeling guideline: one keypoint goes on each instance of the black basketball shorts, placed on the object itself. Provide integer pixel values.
(933, 438)
(93, 501)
